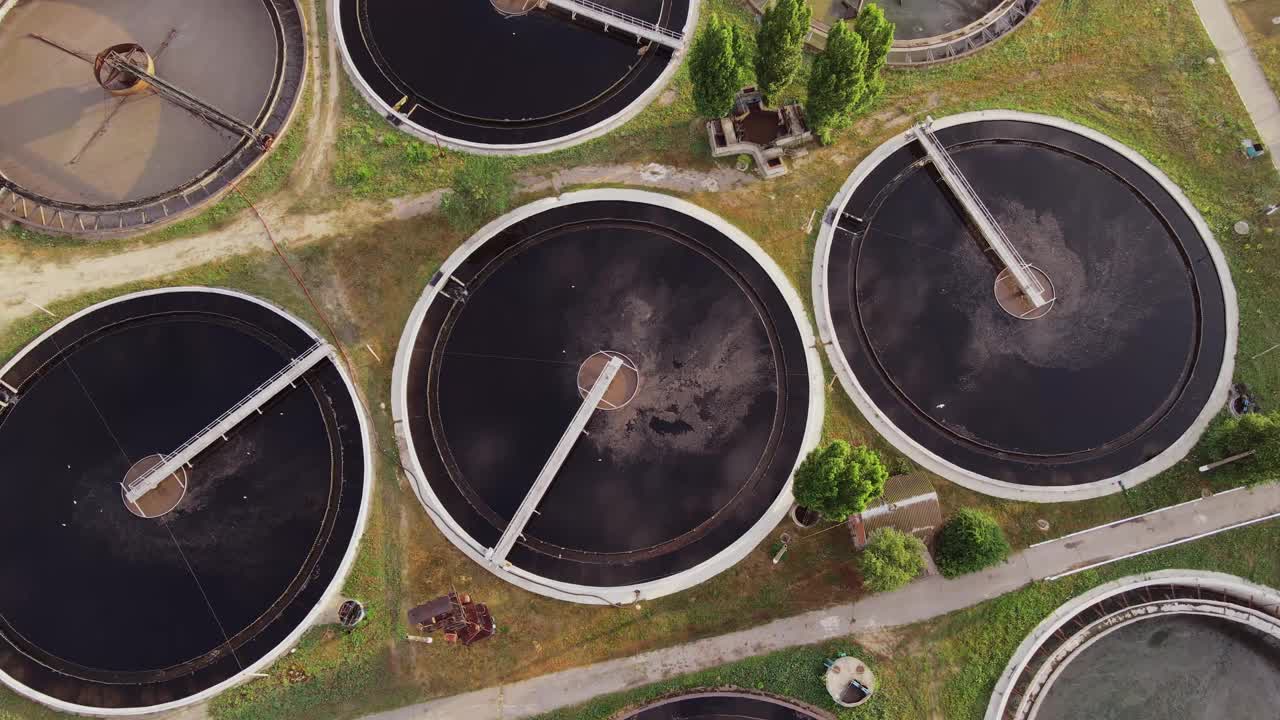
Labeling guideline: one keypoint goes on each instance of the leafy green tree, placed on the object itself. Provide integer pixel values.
(891, 559)
(968, 542)
(780, 46)
(718, 65)
(838, 82)
(839, 480)
(877, 32)
(1234, 435)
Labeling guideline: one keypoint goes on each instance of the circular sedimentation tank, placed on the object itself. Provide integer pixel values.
(724, 705)
(87, 150)
(1171, 644)
(1109, 383)
(928, 32)
(132, 607)
(685, 464)
(510, 76)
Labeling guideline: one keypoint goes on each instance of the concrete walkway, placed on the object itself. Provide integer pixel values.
(924, 599)
(24, 281)
(1258, 97)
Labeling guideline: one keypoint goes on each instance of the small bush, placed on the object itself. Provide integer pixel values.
(481, 191)
(970, 541)
(418, 152)
(891, 559)
(1233, 436)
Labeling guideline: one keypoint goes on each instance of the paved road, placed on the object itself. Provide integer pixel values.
(1258, 97)
(924, 599)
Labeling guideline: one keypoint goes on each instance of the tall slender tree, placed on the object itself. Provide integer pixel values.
(877, 32)
(718, 64)
(780, 46)
(838, 82)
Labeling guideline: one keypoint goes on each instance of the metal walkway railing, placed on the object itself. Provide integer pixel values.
(1027, 282)
(611, 18)
(252, 402)
(498, 554)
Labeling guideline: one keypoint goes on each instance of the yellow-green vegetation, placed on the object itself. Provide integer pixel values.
(947, 668)
(1135, 71)
(1256, 20)
(366, 285)
(375, 160)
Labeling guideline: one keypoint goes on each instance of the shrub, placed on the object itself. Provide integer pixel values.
(891, 559)
(838, 480)
(970, 541)
(1234, 435)
(481, 190)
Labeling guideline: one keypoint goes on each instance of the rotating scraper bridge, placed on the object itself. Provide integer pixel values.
(287, 377)
(604, 15)
(36, 200)
(1031, 288)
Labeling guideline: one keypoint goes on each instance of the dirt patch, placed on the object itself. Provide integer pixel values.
(883, 643)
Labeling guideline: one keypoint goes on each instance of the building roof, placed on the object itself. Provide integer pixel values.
(903, 487)
(909, 504)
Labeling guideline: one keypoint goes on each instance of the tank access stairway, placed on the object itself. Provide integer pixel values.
(219, 428)
(1028, 283)
(611, 18)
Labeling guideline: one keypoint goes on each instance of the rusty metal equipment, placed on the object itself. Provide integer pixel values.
(461, 620)
(128, 69)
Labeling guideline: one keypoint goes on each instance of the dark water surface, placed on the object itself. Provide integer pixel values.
(653, 487)
(1183, 666)
(106, 596)
(674, 456)
(1119, 367)
(475, 74)
(1107, 359)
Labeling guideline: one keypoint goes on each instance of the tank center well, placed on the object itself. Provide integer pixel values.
(620, 389)
(606, 393)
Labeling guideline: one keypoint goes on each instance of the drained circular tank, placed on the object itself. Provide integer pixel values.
(724, 705)
(680, 464)
(929, 32)
(512, 76)
(144, 598)
(1109, 380)
(90, 149)
(1171, 644)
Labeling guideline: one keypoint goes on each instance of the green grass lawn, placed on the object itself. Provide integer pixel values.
(947, 668)
(1255, 18)
(1135, 71)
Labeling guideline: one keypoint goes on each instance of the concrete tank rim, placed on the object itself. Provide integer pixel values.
(962, 476)
(594, 595)
(315, 615)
